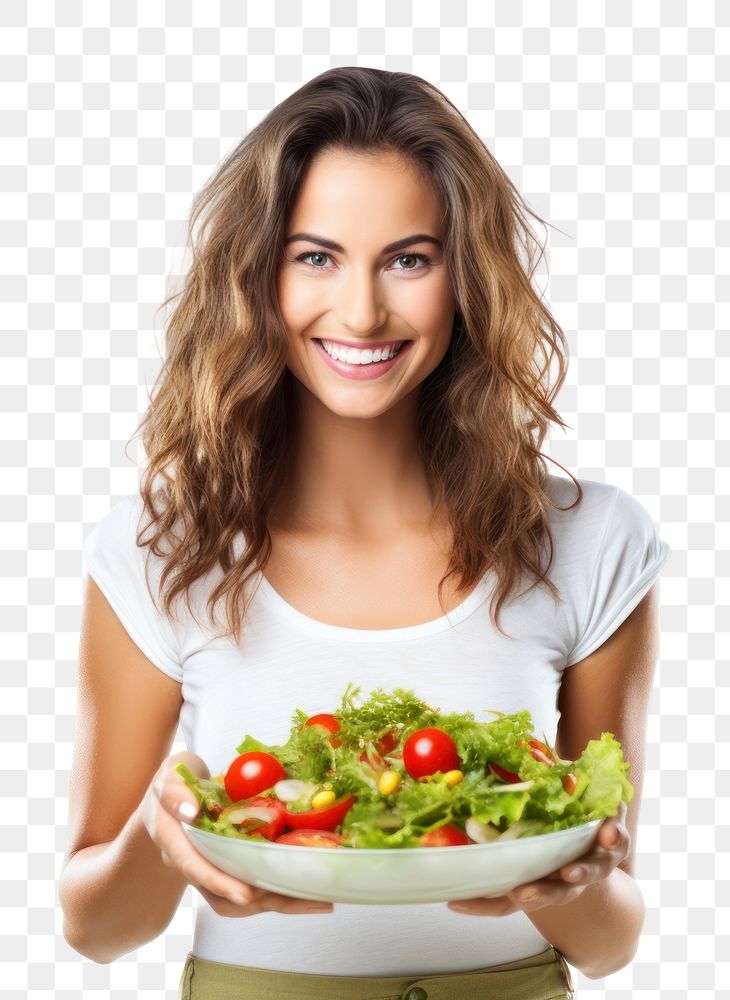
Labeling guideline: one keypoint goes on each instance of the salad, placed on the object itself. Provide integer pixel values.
(395, 772)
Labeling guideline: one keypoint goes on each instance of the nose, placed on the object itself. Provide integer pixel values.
(361, 306)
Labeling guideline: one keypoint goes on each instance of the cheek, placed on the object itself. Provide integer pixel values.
(296, 301)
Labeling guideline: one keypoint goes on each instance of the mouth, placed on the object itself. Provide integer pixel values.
(364, 369)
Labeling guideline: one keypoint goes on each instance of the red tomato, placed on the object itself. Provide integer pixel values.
(374, 760)
(570, 782)
(275, 827)
(310, 838)
(326, 818)
(538, 751)
(252, 773)
(445, 836)
(507, 775)
(429, 750)
(325, 721)
(387, 744)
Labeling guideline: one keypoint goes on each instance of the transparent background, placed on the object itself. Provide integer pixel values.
(612, 119)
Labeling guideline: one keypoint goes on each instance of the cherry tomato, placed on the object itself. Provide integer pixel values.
(276, 825)
(252, 773)
(325, 721)
(387, 743)
(429, 750)
(310, 838)
(321, 819)
(507, 775)
(445, 836)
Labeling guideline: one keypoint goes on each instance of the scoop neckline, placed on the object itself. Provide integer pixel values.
(468, 606)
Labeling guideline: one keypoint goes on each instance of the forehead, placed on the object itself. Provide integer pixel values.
(363, 193)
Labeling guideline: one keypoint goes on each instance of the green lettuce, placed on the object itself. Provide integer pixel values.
(539, 804)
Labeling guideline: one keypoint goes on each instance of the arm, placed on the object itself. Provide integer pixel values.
(118, 896)
(609, 690)
(115, 891)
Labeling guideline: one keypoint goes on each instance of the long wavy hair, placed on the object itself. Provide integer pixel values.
(217, 429)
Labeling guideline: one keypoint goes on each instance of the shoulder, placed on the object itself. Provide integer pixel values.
(606, 516)
(111, 547)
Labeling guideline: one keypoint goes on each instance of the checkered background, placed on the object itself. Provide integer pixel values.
(613, 121)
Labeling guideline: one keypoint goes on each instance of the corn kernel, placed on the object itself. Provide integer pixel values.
(452, 778)
(322, 799)
(388, 782)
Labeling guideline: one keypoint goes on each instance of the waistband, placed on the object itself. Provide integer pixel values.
(540, 977)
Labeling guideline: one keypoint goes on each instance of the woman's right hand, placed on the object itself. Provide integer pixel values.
(227, 895)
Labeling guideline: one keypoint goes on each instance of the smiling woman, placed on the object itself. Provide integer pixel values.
(386, 509)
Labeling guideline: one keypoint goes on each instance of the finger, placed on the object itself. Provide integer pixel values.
(287, 904)
(544, 892)
(264, 901)
(610, 846)
(611, 829)
(197, 870)
(484, 906)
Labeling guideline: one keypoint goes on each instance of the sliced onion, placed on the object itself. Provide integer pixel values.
(481, 833)
(518, 786)
(513, 832)
(251, 812)
(291, 790)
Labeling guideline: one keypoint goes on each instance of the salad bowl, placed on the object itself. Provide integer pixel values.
(385, 876)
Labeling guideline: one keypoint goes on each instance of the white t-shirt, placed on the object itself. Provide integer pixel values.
(607, 554)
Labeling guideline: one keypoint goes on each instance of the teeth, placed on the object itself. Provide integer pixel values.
(355, 357)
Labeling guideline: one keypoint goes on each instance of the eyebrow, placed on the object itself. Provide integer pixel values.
(398, 245)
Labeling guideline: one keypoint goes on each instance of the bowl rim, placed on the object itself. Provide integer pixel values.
(380, 851)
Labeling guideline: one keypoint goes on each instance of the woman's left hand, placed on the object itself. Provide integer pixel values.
(608, 850)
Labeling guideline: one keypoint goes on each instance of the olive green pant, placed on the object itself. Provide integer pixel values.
(541, 977)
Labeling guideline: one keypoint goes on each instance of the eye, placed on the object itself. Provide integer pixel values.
(304, 258)
(312, 253)
(413, 256)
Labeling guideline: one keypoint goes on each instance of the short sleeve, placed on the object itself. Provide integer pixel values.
(113, 559)
(630, 558)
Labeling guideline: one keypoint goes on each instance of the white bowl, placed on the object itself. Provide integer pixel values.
(394, 875)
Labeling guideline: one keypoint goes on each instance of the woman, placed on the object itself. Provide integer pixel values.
(386, 512)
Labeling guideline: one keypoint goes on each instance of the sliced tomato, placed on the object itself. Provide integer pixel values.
(543, 758)
(570, 782)
(387, 743)
(538, 751)
(326, 721)
(445, 836)
(277, 817)
(429, 750)
(326, 818)
(506, 775)
(374, 760)
(252, 773)
(310, 838)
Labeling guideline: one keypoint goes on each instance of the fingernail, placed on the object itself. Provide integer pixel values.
(320, 908)
(613, 837)
(187, 810)
(526, 894)
(575, 873)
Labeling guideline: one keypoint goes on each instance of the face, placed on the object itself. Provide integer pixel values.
(362, 264)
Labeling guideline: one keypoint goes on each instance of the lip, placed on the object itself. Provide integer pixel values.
(363, 371)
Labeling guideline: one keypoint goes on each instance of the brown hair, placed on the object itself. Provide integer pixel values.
(216, 433)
